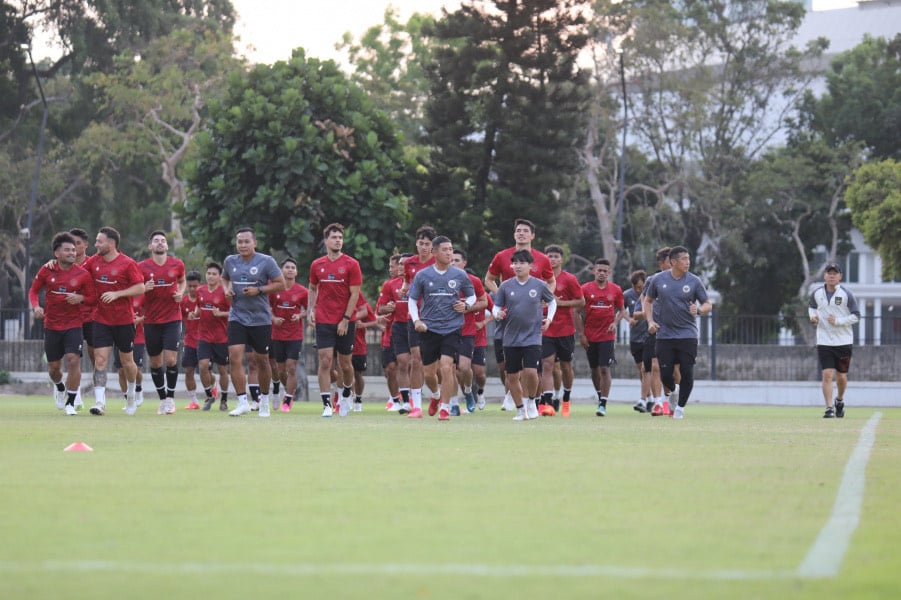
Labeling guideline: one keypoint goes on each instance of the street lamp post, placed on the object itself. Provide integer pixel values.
(26, 232)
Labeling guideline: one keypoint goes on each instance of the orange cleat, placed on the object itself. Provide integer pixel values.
(666, 411)
(192, 406)
(546, 410)
(433, 406)
(564, 410)
(657, 411)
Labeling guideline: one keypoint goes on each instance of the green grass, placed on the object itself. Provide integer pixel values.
(202, 505)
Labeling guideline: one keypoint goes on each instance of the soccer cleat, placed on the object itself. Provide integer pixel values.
(640, 407)
(679, 413)
(416, 413)
(839, 409)
(70, 410)
(470, 401)
(666, 409)
(404, 408)
(397, 407)
(601, 410)
(215, 391)
(242, 409)
(829, 414)
(546, 410)
(169, 407)
(565, 408)
(255, 405)
(343, 406)
(443, 415)
(264, 409)
(520, 414)
(389, 405)
(223, 406)
(99, 409)
(60, 397)
(327, 411)
(657, 411)
(208, 404)
(508, 403)
(130, 406)
(433, 406)
(334, 397)
(192, 406)
(161, 409)
(480, 402)
(139, 397)
(358, 407)
(455, 410)
(286, 407)
(556, 405)
(531, 408)
(79, 404)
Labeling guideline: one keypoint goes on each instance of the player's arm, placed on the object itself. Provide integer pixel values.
(491, 282)
(276, 284)
(313, 292)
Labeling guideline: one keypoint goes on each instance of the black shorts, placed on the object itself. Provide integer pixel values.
(388, 356)
(835, 357)
(499, 351)
(137, 355)
(563, 347)
(413, 336)
(467, 346)
(258, 337)
(522, 357)
(189, 357)
(285, 350)
(435, 345)
(327, 337)
(122, 337)
(359, 363)
(681, 351)
(216, 353)
(650, 352)
(162, 336)
(87, 331)
(59, 343)
(601, 354)
(637, 350)
(480, 356)
(400, 338)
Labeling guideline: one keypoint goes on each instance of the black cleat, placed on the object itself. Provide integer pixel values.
(829, 414)
(839, 409)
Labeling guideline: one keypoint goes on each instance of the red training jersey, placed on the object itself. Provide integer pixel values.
(601, 305)
(333, 280)
(112, 276)
(360, 346)
(159, 304)
(568, 288)
(482, 332)
(286, 304)
(412, 266)
(392, 292)
(469, 319)
(59, 315)
(212, 329)
(191, 323)
(502, 265)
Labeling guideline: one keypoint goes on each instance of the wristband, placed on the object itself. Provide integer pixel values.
(345, 318)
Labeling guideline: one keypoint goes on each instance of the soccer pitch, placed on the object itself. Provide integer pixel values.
(731, 502)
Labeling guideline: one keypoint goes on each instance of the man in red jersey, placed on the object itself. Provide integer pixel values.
(289, 309)
(468, 336)
(82, 242)
(117, 279)
(412, 265)
(164, 287)
(335, 281)
(604, 309)
(385, 307)
(190, 322)
(393, 303)
(558, 341)
(212, 336)
(366, 319)
(68, 288)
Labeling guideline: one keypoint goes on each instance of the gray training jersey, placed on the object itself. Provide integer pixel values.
(674, 297)
(639, 332)
(523, 303)
(438, 292)
(250, 311)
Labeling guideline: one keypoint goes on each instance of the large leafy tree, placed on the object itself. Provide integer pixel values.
(290, 148)
(874, 197)
(504, 119)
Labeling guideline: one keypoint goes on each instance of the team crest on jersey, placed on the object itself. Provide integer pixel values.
(685, 289)
(171, 273)
(341, 270)
(838, 301)
(254, 270)
(533, 293)
(452, 284)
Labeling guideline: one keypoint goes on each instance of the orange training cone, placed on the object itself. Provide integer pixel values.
(78, 447)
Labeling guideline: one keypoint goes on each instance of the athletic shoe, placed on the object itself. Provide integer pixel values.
(508, 403)
(405, 408)
(470, 401)
(433, 406)
(99, 409)
(546, 410)
(255, 405)
(170, 406)
(286, 407)
(358, 407)
(139, 398)
(640, 407)
(130, 406)
(343, 407)
(274, 403)
(531, 408)
(327, 411)
(208, 403)
(242, 409)
(480, 402)
(520, 414)
(389, 405)
(215, 391)
(679, 413)
(264, 409)
(334, 397)
(601, 410)
(565, 408)
(657, 411)
(443, 415)
(161, 409)
(674, 397)
(455, 410)
(415, 413)
(829, 414)
(397, 407)
(79, 404)
(666, 410)
(60, 397)
(192, 406)
(839, 409)
(556, 405)
(223, 406)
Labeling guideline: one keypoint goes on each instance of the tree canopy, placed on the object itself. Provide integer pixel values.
(874, 197)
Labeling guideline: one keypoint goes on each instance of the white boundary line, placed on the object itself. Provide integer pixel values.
(824, 559)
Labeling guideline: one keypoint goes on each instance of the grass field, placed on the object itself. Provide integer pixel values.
(724, 504)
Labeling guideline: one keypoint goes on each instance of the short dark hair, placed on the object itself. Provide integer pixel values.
(246, 230)
(602, 261)
(662, 254)
(639, 275)
(462, 253)
(332, 227)
(526, 222)
(111, 234)
(79, 233)
(157, 232)
(553, 248)
(426, 231)
(192, 276)
(289, 260)
(522, 256)
(441, 239)
(214, 265)
(676, 251)
(395, 258)
(63, 237)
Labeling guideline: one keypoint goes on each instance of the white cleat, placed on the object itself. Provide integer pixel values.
(255, 406)
(480, 401)
(531, 408)
(169, 407)
(60, 397)
(79, 404)
(679, 413)
(327, 411)
(520, 414)
(70, 410)
(242, 409)
(358, 407)
(99, 409)
(139, 398)
(343, 406)
(130, 406)
(264, 409)
(508, 403)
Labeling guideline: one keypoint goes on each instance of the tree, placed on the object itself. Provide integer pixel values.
(290, 148)
(874, 197)
(505, 118)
